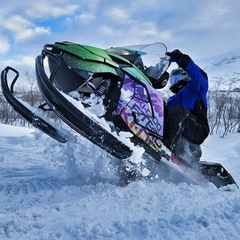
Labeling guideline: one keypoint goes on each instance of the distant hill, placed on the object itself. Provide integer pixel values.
(223, 71)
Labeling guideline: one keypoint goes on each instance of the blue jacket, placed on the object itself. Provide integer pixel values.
(195, 89)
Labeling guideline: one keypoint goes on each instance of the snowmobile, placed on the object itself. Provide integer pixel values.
(101, 93)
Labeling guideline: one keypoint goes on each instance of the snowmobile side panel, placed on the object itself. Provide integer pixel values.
(134, 72)
(142, 114)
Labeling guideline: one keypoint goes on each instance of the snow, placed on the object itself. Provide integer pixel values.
(223, 71)
(50, 190)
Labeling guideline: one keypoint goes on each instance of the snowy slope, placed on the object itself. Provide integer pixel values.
(223, 71)
(62, 191)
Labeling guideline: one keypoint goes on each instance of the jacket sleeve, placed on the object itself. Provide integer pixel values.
(198, 85)
(196, 74)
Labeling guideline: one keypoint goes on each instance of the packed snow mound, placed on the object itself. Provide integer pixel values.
(67, 191)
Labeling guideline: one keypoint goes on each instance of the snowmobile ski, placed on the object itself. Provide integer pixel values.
(206, 172)
(216, 173)
(35, 120)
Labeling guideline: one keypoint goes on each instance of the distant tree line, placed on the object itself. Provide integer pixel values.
(224, 112)
(30, 95)
(223, 108)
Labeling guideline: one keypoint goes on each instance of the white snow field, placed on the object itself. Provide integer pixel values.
(50, 190)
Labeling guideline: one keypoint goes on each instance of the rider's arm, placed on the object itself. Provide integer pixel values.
(196, 74)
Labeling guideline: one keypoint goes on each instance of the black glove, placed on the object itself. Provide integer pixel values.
(175, 55)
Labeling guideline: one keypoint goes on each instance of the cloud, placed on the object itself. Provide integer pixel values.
(85, 18)
(46, 9)
(202, 28)
(22, 29)
(22, 65)
(208, 17)
(43, 9)
(4, 44)
(119, 15)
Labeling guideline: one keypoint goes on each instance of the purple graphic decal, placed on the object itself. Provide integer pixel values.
(142, 109)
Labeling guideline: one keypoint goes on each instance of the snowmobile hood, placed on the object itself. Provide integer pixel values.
(89, 60)
(87, 53)
(144, 61)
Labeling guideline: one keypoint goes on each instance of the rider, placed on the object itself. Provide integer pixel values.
(186, 125)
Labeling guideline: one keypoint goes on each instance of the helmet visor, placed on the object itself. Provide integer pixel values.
(176, 78)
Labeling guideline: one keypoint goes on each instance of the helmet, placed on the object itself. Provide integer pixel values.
(178, 79)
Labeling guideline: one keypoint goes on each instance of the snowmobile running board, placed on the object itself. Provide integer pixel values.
(209, 172)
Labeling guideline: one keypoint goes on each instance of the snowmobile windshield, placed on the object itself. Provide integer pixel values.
(151, 59)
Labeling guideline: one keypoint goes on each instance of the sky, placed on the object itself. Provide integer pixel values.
(200, 28)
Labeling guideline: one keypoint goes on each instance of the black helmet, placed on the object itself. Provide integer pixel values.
(178, 79)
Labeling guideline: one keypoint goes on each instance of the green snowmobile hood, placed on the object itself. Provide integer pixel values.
(97, 60)
(87, 52)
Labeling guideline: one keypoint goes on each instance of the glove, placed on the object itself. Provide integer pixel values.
(175, 55)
